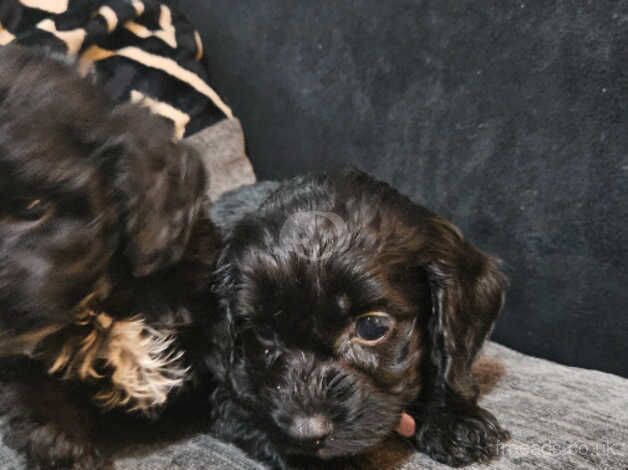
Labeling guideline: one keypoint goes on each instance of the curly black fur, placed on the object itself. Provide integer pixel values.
(102, 236)
(296, 272)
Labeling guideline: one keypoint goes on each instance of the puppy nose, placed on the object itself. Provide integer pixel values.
(311, 428)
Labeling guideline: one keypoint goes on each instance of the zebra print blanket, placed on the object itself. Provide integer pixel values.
(141, 50)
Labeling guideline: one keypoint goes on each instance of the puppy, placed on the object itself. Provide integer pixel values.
(345, 305)
(105, 252)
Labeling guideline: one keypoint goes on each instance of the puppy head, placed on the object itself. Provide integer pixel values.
(339, 294)
(84, 184)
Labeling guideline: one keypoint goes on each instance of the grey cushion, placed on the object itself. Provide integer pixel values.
(223, 151)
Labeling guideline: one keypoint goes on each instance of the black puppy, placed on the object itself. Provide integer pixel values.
(105, 252)
(344, 305)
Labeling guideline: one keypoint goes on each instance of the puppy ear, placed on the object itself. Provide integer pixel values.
(467, 289)
(160, 188)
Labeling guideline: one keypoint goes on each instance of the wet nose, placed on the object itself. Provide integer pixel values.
(311, 428)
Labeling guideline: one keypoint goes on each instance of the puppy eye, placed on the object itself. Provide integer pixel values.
(30, 210)
(373, 327)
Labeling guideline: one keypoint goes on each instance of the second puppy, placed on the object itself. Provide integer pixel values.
(105, 252)
(345, 304)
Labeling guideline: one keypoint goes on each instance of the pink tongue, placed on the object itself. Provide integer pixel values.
(406, 426)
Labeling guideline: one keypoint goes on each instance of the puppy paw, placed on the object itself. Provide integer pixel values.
(48, 448)
(458, 438)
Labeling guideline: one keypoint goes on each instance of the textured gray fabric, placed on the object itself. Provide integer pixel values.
(223, 151)
(9, 459)
(198, 453)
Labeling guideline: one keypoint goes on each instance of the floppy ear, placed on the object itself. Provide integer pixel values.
(160, 189)
(467, 289)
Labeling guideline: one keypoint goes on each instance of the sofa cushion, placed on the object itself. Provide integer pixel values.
(222, 149)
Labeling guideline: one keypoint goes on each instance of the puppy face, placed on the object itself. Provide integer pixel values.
(334, 306)
(331, 348)
(88, 190)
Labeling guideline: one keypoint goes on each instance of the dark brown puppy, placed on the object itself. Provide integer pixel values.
(102, 228)
(344, 305)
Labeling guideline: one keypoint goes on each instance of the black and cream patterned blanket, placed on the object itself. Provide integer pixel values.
(142, 50)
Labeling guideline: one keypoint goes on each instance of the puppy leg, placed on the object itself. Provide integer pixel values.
(49, 424)
(456, 431)
(467, 291)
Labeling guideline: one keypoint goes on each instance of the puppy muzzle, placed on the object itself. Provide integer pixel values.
(328, 409)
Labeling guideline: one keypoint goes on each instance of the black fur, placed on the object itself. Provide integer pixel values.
(296, 273)
(121, 217)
